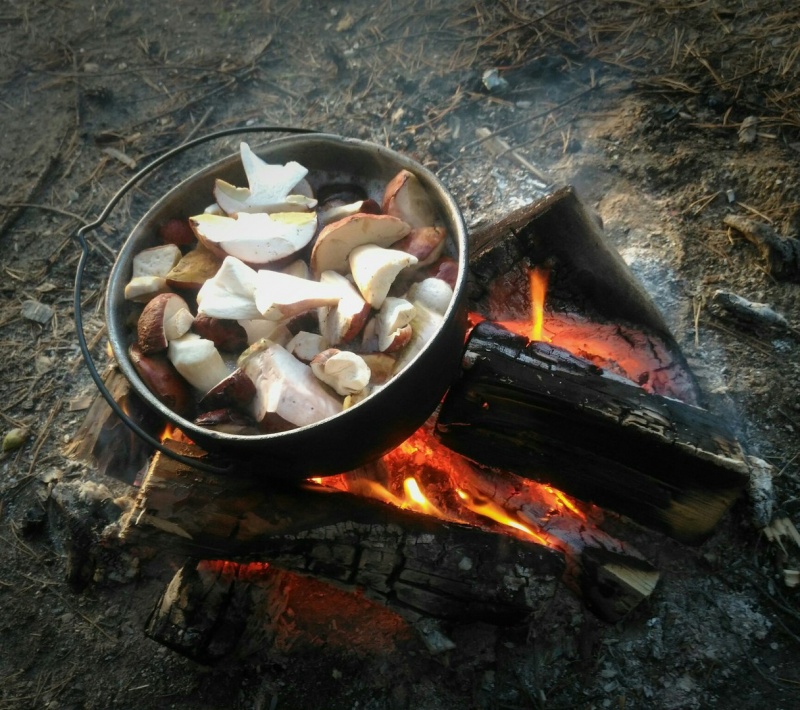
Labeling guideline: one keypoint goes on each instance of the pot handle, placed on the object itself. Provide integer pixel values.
(78, 315)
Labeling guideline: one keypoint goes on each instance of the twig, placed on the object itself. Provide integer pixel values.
(197, 126)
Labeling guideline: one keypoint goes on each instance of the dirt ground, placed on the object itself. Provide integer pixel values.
(644, 107)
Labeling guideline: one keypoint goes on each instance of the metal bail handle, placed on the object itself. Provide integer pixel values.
(81, 237)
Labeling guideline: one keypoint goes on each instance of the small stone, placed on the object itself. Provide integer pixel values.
(748, 130)
(37, 312)
(15, 438)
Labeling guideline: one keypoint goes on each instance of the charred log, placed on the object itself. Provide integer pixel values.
(587, 275)
(418, 565)
(547, 415)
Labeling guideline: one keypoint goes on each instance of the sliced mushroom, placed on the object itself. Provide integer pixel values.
(426, 243)
(194, 269)
(286, 388)
(227, 421)
(176, 231)
(257, 239)
(306, 346)
(298, 268)
(269, 187)
(163, 380)
(334, 211)
(142, 288)
(406, 199)
(236, 390)
(393, 321)
(280, 296)
(374, 270)
(344, 321)
(337, 240)
(165, 317)
(198, 361)
(150, 267)
(258, 328)
(425, 325)
(353, 399)
(228, 335)
(445, 269)
(156, 261)
(230, 294)
(434, 293)
(345, 372)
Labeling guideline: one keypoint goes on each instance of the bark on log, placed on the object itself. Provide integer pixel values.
(544, 414)
(419, 565)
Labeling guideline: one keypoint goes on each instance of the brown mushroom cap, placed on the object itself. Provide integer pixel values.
(337, 240)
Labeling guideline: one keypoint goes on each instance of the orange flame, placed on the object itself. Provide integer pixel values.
(490, 509)
(538, 284)
(416, 499)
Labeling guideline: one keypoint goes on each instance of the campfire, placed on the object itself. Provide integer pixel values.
(573, 398)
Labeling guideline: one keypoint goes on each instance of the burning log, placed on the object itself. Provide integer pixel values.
(417, 564)
(546, 415)
(612, 578)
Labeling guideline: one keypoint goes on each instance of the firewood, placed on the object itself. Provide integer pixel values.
(544, 414)
(417, 564)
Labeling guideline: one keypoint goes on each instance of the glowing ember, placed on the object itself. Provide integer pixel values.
(423, 475)
(538, 283)
(244, 571)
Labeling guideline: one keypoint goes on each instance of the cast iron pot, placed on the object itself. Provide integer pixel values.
(377, 424)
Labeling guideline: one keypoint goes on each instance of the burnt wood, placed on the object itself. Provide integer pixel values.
(587, 276)
(418, 565)
(544, 414)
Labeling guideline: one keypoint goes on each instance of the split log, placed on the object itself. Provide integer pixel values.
(544, 414)
(611, 577)
(206, 608)
(588, 276)
(417, 564)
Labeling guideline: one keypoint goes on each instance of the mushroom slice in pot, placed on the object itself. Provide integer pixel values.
(337, 240)
(280, 296)
(198, 361)
(194, 269)
(286, 388)
(434, 293)
(393, 321)
(374, 270)
(425, 243)
(236, 390)
(424, 327)
(344, 371)
(150, 268)
(257, 239)
(344, 321)
(230, 293)
(306, 346)
(165, 317)
(163, 380)
(228, 335)
(406, 199)
(269, 187)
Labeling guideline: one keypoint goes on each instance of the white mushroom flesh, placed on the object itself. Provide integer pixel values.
(230, 293)
(198, 361)
(374, 270)
(344, 371)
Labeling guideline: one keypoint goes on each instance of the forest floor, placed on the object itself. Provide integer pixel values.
(665, 116)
